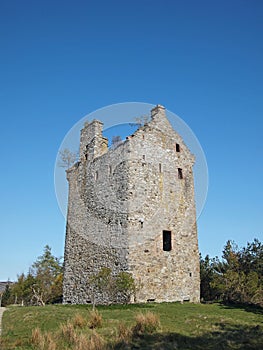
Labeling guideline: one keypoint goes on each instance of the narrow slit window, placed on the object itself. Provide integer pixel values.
(110, 169)
(177, 147)
(160, 167)
(167, 240)
(180, 173)
(96, 175)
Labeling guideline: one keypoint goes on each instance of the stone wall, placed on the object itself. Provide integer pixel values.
(120, 202)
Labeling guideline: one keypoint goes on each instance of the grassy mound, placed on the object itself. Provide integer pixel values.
(147, 326)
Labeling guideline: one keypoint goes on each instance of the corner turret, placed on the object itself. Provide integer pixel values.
(92, 143)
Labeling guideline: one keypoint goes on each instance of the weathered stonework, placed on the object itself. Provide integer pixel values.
(132, 208)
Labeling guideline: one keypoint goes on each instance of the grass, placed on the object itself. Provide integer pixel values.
(146, 326)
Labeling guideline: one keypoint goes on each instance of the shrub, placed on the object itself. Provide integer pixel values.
(95, 319)
(146, 323)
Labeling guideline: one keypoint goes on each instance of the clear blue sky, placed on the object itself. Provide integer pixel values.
(61, 60)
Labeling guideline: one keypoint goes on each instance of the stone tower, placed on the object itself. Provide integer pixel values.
(132, 208)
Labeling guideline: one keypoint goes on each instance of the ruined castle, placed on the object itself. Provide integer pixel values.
(132, 208)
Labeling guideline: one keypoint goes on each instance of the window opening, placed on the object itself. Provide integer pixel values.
(177, 147)
(143, 156)
(110, 169)
(160, 167)
(167, 240)
(96, 175)
(180, 173)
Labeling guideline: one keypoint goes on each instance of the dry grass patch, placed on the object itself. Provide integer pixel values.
(42, 341)
(79, 321)
(37, 339)
(124, 334)
(95, 319)
(147, 323)
(81, 342)
(68, 333)
(96, 342)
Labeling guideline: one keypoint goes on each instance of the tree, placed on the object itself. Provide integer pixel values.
(47, 271)
(125, 285)
(42, 284)
(67, 158)
(237, 278)
(5, 296)
(111, 287)
(142, 120)
(101, 283)
(22, 289)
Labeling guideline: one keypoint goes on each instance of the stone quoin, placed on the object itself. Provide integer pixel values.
(131, 208)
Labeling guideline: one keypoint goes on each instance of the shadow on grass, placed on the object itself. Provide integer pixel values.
(248, 308)
(225, 337)
(110, 307)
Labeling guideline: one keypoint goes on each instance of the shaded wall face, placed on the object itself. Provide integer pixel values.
(96, 234)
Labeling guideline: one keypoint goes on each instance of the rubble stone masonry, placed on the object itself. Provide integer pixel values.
(132, 208)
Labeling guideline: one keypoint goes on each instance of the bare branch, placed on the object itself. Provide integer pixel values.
(67, 158)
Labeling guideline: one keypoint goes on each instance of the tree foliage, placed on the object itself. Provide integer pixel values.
(237, 278)
(112, 287)
(42, 285)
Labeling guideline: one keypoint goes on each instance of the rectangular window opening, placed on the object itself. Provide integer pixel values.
(110, 169)
(177, 147)
(167, 240)
(96, 175)
(160, 167)
(180, 173)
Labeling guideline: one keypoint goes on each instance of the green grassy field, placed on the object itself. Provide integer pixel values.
(182, 326)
